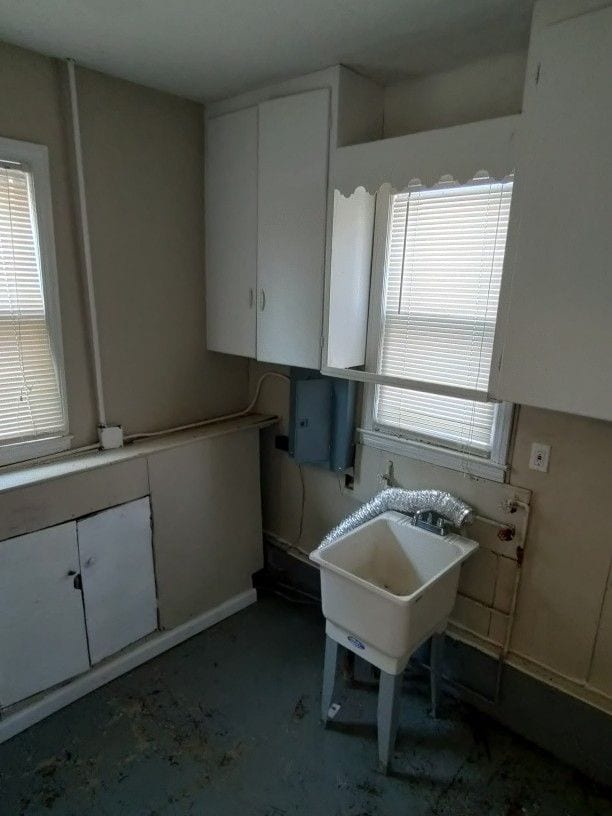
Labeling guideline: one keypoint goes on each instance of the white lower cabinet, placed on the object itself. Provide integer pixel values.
(118, 577)
(73, 594)
(42, 627)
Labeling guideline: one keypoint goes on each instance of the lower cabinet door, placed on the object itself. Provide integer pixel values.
(116, 555)
(42, 627)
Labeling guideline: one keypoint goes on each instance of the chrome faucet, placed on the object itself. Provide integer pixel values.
(432, 522)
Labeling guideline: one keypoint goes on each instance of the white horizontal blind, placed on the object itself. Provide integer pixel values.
(445, 251)
(31, 403)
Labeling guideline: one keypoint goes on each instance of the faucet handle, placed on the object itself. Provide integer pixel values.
(443, 524)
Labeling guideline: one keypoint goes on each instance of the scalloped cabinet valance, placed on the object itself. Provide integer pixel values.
(461, 152)
(357, 173)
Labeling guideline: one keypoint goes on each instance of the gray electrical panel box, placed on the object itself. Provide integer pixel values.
(322, 420)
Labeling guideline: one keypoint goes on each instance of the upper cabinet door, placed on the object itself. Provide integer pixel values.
(555, 326)
(293, 160)
(231, 232)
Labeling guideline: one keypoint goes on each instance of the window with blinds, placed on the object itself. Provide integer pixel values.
(443, 268)
(31, 402)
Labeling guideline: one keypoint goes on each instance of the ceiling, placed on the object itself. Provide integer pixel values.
(211, 49)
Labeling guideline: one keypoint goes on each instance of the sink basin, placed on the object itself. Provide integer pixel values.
(388, 586)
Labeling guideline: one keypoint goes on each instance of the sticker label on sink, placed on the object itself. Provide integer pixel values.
(356, 642)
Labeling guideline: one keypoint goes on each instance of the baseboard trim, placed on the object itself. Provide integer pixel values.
(23, 715)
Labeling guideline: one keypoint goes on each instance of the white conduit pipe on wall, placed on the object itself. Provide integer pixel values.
(86, 246)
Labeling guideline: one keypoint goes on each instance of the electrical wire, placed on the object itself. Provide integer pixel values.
(204, 422)
(133, 437)
(297, 544)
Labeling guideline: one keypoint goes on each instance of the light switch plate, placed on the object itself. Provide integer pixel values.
(540, 455)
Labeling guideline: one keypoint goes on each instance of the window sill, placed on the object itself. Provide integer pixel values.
(454, 460)
(33, 449)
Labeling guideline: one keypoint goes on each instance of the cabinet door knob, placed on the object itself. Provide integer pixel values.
(251, 297)
(262, 300)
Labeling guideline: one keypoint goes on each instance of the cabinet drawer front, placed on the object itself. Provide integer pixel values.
(292, 195)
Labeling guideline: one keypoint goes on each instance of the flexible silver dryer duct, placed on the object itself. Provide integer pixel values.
(404, 501)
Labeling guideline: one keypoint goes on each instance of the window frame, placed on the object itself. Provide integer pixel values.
(36, 157)
(406, 443)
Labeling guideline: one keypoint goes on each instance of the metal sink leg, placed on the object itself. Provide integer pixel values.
(389, 692)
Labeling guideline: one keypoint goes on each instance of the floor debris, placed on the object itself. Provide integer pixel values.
(228, 723)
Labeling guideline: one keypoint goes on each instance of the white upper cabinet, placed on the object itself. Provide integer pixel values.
(267, 214)
(231, 232)
(555, 326)
(266, 204)
(292, 195)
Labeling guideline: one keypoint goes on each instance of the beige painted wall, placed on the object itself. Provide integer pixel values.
(483, 89)
(143, 155)
(570, 541)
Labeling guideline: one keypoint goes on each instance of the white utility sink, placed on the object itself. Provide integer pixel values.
(388, 586)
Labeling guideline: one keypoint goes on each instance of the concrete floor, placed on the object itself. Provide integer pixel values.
(228, 723)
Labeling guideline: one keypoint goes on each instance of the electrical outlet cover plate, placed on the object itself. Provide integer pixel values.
(539, 457)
